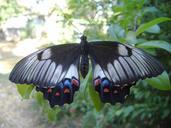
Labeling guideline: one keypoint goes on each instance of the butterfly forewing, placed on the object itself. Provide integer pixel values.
(53, 70)
(116, 67)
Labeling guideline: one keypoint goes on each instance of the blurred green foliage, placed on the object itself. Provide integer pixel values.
(143, 23)
(9, 8)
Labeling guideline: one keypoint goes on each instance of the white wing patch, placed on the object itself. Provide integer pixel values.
(98, 71)
(112, 72)
(57, 74)
(72, 71)
(122, 50)
(46, 54)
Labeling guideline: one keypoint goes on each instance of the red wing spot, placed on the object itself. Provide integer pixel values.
(49, 90)
(57, 94)
(106, 90)
(75, 82)
(66, 90)
(97, 82)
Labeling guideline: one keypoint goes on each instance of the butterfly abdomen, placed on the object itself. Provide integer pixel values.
(84, 65)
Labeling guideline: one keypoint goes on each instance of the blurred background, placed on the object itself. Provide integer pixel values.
(26, 26)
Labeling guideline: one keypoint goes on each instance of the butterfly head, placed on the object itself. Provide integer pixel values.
(83, 38)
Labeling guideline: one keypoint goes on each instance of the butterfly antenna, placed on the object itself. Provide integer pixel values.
(80, 33)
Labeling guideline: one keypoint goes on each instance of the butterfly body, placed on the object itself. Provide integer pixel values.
(84, 64)
(55, 70)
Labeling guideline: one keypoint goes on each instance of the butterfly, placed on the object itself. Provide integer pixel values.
(55, 71)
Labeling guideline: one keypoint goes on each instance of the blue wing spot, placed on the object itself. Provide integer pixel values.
(67, 83)
(105, 90)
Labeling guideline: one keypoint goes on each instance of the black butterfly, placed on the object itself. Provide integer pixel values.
(55, 70)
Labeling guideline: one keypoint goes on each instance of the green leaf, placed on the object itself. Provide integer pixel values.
(95, 98)
(93, 94)
(116, 31)
(127, 111)
(39, 98)
(131, 37)
(89, 120)
(154, 29)
(161, 82)
(146, 26)
(166, 113)
(52, 115)
(24, 90)
(151, 9)
(156, 44)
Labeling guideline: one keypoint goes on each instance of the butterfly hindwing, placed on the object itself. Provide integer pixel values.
(108, 91)
(116, 67)
(53, 70)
